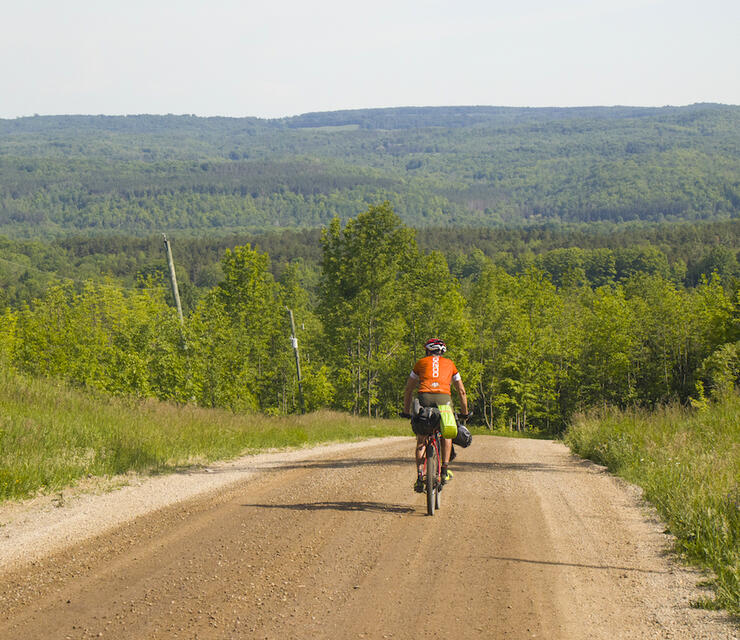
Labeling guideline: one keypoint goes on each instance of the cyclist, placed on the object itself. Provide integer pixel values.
(433, 374)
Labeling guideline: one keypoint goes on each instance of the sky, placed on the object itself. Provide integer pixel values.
(279, 58)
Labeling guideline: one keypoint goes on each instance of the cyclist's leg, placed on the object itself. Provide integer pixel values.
(446, 450)
(419, 453)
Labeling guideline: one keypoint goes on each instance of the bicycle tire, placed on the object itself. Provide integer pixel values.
(431, 484)
(438, 492)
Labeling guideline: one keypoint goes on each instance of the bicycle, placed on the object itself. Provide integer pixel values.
(432, 470)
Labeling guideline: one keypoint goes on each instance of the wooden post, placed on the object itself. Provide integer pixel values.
(294, 342)
(173, 279)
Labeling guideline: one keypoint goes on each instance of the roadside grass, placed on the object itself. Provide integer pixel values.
(688, 463)
(51, 435)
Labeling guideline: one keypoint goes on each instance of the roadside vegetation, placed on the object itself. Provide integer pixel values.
(688, 463)
(52, 435)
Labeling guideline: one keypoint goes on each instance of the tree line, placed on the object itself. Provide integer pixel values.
(534, 345)
(683, 253)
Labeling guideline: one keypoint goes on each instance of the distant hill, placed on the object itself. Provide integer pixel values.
(420, 117)
(438, 166)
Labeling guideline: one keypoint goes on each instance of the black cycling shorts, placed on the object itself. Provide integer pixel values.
(434, 399)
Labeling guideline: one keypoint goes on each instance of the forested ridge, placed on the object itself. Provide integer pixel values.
(478, 166)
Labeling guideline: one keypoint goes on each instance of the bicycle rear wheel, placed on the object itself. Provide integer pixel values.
(431, 480)
(438, 492)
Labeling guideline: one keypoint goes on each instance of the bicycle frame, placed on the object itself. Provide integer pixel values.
(432, 475)
(434, 440)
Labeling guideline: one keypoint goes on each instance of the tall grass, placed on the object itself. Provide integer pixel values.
(52, 435)
(688, 463)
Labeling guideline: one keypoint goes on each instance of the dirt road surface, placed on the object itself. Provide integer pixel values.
(530, 542)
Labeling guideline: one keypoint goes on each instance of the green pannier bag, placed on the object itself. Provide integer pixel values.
(448, 426)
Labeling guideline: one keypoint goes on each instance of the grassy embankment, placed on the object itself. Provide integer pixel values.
(688, 463)
(52, 435)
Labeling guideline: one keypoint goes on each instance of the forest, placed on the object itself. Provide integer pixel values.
(540, 329)
(682, 252)
(571, 258)
(438, 167)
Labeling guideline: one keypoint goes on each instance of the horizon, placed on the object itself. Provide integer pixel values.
(383, 108)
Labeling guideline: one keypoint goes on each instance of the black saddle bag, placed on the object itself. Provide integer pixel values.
(463, 437)
(425, 420)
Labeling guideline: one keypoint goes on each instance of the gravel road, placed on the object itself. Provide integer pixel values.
(331, 542)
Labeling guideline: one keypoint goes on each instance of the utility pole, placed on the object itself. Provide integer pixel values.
(294, 342)
(173, 278)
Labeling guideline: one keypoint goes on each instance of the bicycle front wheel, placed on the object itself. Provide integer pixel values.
(431, 480)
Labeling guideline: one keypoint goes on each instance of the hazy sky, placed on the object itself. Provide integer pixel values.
(283, 57)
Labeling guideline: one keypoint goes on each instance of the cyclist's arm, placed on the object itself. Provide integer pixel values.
(457, 381)
(408, 393)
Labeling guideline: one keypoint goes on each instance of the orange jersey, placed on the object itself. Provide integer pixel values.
(435, 374)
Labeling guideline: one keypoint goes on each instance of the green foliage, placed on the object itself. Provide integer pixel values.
(318, 390)
(517, 347)
(220, 374)
(29, 268)
(361, 303)
(101, 337)
(380, 299)
(610, 349)
(721, 370)
(534, 339)
(237, 337)
(8, 338)
(688, 463)
(251, 299)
